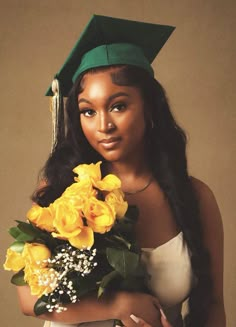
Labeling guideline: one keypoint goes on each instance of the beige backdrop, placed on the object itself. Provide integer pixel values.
(197, 67)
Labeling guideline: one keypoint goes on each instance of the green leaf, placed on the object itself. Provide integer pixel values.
(24, 232)
(123, 261)
(17, 246)
(19, 235)
(28, 229)
(14, 231)
(22, 237)
(123, 241)
(106, 280)
(100, 291)
(40, 306)
(18, 279)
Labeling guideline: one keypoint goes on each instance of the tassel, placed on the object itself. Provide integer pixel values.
(57, 110)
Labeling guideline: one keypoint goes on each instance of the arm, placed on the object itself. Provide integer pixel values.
(88, 309)
(119, 305)
(213, 239)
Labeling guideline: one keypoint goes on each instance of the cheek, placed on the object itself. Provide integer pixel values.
(139, 131)
(88, 130)
(137, 125)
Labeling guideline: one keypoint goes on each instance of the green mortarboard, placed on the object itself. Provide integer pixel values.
(110, 41)
(105, 41)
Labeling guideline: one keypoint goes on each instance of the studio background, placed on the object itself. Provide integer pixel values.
(196, 66)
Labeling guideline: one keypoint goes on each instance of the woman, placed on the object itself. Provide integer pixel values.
(118, 113)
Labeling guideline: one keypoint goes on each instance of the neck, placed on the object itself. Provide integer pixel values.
(133, 169)
(134, 174)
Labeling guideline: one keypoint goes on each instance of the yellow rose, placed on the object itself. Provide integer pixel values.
(28, 271)
(99, 214)
(108, 183)
(84, 239)
(36, 254)
(77, 193)
(41, 280)
(91, 171)
(116, 200)
(42, 217)
(67, 222)
(14, 261)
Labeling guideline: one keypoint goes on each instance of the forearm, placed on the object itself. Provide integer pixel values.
(88, 309)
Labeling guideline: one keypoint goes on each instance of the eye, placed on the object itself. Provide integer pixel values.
(118, 107)
(87, 112)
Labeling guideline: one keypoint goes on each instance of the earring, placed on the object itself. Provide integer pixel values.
(152, 124)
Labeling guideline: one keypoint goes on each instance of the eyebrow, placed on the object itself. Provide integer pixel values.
(110, 98)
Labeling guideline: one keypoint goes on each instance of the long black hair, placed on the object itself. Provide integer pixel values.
(167, 143)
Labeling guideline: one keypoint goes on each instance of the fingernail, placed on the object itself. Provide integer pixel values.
(134, 318)
(162, 313)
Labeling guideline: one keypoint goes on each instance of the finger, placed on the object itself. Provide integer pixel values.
(139, 321)
(164, 321)
(156, 303)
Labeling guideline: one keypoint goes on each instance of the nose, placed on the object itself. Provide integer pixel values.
(105, 123)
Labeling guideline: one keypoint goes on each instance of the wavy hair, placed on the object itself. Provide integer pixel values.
(167, 143)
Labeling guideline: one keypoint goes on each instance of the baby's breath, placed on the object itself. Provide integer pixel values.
(66, 261)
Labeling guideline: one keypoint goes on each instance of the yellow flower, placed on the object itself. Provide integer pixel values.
(77, 193)
(91, 171)
(116, 200)
(42, 217)
(14, 261)
(67, 222)
(83, 240)
(108, 183)
(99, 214)
(41, 280)
(36, 254)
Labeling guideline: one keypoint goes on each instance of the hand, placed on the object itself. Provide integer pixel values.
(141, 304)
(143, 323)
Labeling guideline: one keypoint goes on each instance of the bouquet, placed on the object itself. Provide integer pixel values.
(82, 242)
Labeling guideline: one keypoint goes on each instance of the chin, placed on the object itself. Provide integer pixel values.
(112, 158)
(114, 155)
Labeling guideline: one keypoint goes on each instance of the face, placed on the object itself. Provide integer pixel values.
(112, 117)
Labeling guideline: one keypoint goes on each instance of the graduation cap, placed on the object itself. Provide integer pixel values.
(106, 41)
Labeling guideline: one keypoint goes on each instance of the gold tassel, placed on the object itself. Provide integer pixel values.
(55, 104)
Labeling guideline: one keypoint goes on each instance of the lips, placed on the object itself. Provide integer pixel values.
(109, 143)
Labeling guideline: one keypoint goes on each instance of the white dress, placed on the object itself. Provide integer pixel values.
(171, 280)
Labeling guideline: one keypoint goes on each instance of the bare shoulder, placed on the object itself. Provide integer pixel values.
(202, 189)
(209, 209)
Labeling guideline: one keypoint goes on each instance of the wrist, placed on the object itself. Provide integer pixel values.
(111, 306)
(115, 306)
(121, 305)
